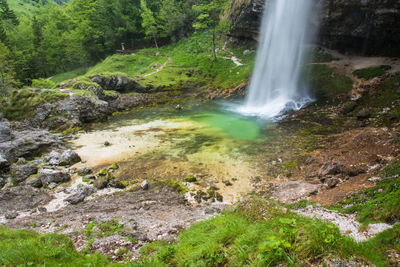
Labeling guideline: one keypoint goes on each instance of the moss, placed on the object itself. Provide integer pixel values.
(175, 185)
(325, 83)
(113, 166)
(43, 84)
(21, 104)
(372, 72)
(190, 179)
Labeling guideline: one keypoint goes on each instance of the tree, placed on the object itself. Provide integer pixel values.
(39, 52)
(7, 75)
(171, 18)
(6, 13)
(208, 18)
(149, 23)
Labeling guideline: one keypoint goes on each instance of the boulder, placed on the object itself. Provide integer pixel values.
(5, 132)
(293, 191)
(3, 161)
(363, 114)
(21, 172)
(119, 83)
(332, 182)
(85, 171)
(11, 215)
(101, 182)
(49, 176)
(116, 184)
(69, 157)
(35, 182)
(144, 185)
(20, 198)
(80, 194)
(330, 168)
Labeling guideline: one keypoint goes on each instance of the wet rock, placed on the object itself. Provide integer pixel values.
(69, 157)
(144, 185)
(11, 215)
(293, 191)
(332, 182)
(21, 172)
(48, 176)
(22, 198)
(80, 194)
(330, 168)
(34, 182)
(227, 182)
(101, 182)
(363, 114)
(85, 171)
(348, 107)
(5, 132)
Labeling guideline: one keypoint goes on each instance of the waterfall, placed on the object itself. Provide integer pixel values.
(275, 83)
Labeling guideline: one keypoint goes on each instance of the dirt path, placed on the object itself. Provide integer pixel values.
(160, 68)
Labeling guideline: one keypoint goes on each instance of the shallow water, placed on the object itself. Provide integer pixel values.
(203, 139)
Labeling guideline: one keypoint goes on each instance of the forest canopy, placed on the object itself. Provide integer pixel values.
(58, 36)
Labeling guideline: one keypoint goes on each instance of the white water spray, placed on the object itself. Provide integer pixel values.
(275, 84)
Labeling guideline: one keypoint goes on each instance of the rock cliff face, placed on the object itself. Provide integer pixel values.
(357, 26)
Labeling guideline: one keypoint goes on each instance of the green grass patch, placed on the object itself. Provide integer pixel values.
(189, 66)
(263, 234)
(380, 203)
(24, 248)
(372, 72)
(59, 78)
(325, 83)
(43, 83)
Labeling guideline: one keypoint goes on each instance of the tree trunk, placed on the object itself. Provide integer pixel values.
(155, 41)
(213, 45)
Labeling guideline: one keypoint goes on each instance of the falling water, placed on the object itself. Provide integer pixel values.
(275, 84)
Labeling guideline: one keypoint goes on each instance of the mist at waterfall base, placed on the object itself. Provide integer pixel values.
(275, 86)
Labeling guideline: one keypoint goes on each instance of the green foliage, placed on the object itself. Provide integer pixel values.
(380, 203)
(23, 248)
(43, 83)
(372, 72)
(22, 104)
(262, 234)
(7, 74)
(149, 23)
(325, 83)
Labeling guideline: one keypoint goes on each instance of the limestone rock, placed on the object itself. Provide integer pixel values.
(35, 182)
(101, 183)
(119, 84)
(80, 194)
(5, 132)
(293, 191)
(330, 168)
(22, 198)
(69, 157)
(22, 172)
(144, 185)
(48, 176)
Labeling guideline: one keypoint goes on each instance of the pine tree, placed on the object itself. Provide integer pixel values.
(6, 13)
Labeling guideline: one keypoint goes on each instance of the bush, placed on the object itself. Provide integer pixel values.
(43, 84)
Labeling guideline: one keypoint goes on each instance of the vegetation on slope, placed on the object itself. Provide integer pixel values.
(380, 203)
(257, 233)
(185, 64)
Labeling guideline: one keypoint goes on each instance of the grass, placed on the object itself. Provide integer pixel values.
(24, 248)
(22, 104)
(260, 233)
(380, 203)
(325, 83)
(257, 233)
(372, 72)
(189, 65)
(59, 78)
